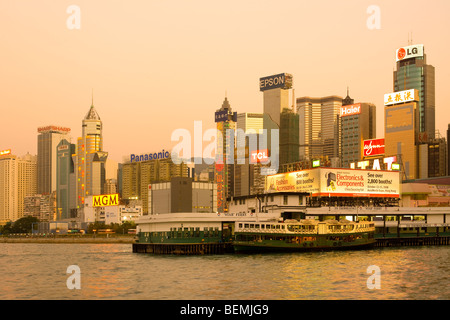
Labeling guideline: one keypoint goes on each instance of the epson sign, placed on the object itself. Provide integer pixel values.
(282, 80)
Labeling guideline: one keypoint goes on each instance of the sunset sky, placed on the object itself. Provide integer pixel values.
(157, 66)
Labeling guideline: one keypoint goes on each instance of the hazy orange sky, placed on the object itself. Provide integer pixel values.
(156, 66)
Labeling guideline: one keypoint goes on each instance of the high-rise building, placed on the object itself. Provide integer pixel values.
(448, 149)
(289, 137)
(276, 92)
(357, 123)
(18, 179)
(437, 156)
(319, 132)
(413, 72)
(401, 131)
(65, 181)
(89, 159)
(138, 175)
(48, 139)
(224, 166)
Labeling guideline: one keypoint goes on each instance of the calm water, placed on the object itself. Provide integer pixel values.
(112, 271)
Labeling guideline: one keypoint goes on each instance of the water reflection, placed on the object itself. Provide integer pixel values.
(112, 271)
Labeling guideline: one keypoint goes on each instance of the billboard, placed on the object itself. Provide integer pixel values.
(401, 97)
(259, 156)
(409, 52)
(105, 200)
(350, 110)
(373, 147)
(282, 80)
(151, 156)
(221, 116)
(337, 182)
(5, 152)
(53, 128)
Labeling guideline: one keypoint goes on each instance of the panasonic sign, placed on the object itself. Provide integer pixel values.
(151, 156)
(282, 80)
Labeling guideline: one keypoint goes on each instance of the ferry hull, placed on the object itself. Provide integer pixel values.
(246, 247)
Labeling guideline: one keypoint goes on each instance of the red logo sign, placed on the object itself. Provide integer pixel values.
(373, 147)
(401, 54)
(259, 156)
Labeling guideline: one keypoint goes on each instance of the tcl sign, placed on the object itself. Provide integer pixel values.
(409, 52)
(350, 110)
(373, 147)
(259, 156)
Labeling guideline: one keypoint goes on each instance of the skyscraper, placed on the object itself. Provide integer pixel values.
(18, 180)
(89, 159)
(413, 72)
(65, 181)
(319, 134)
(400, 130)
(224, 174)
(48, 139)
(357, 123)
(289, 136)
(276, 91)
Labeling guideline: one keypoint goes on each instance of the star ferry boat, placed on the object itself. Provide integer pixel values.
(302, 235)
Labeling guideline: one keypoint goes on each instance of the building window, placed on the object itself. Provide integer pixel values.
(285, 200)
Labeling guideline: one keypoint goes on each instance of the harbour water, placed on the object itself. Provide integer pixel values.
(34, 271)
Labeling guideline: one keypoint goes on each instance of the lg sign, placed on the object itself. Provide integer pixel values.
(350, 110)
(410, 52)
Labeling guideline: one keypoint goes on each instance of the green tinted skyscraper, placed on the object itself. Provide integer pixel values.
(413, 72)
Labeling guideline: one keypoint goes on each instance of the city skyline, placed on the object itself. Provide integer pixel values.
(157, 67)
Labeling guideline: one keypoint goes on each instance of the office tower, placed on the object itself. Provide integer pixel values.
(401, 130)
(224, 170)
(276, 93)
(65, 181)
(18, 179)
(289, 137)
(89, 159)
(319, 127)
(48, 139)
(437, 156)
(448, 149)
(357, 123)
(413, 72)
(248, 121)
(136, 176)
(251, 125)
